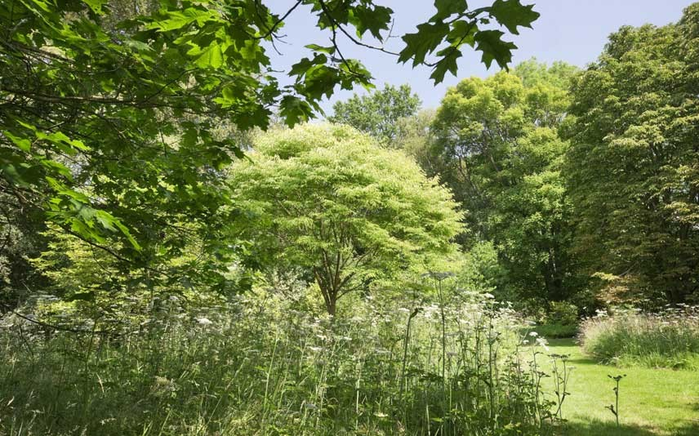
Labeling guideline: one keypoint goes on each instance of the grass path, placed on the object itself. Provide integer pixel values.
(652, 401)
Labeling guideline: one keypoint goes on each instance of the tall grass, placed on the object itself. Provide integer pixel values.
(668, 339)
(261, 367)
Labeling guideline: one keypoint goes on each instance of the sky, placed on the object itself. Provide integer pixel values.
(573, 31)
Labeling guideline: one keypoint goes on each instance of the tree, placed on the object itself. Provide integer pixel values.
(329, 200)
(110, 116)
(558, 74)
(498, 149)
(416, 138)
(379, 112)
(633, 166)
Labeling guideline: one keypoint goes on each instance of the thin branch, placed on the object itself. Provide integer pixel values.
(332, 19)
(115, 254)
(278, 22)
(53, 326)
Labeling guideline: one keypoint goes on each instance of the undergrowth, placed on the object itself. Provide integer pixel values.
(668, 339)
(260, 366)
(552, 331)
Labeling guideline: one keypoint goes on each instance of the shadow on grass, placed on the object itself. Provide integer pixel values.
(584, 360)
(600, 428)
(690, 430)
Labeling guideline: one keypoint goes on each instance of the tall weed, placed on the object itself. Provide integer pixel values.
(667, 339)
(258, 366)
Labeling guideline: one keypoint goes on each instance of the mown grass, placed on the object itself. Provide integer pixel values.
(652, 401)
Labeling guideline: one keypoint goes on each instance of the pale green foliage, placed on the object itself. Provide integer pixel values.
(84, 286)
(558, 74)
(73, 265)
(329, 200)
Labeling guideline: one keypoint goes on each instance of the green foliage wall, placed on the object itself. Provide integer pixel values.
(111, 111)
(497, 147)
(633, 167)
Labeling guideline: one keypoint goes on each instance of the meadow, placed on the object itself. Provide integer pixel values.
(265, 367)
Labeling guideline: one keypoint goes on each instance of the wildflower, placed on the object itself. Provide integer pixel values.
(533, 334)
(162, 381)
(204, 321)
(543, 343)
(489, 295)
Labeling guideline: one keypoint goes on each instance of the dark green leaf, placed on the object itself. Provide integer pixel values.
(511, 14)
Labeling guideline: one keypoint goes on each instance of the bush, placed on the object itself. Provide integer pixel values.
(669, 339)
(562, 313)
(561, 321)
(259, 366)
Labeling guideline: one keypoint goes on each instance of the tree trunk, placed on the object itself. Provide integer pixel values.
(330, 305)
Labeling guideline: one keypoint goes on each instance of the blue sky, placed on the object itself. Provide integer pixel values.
(573, 31)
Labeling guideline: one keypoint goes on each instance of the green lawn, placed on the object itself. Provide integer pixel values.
(652, 401)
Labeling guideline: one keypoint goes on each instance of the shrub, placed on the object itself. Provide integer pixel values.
(562, 313)
(552, 331)
(561, 321)
(669, 339)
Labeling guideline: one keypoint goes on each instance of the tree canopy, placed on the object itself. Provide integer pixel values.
(378, 113)
(330, 201)
(633, 167)
(116, 119)
(496, 145)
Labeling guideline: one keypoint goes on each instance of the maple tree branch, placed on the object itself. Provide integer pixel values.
(335, 23)
(279, 21)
